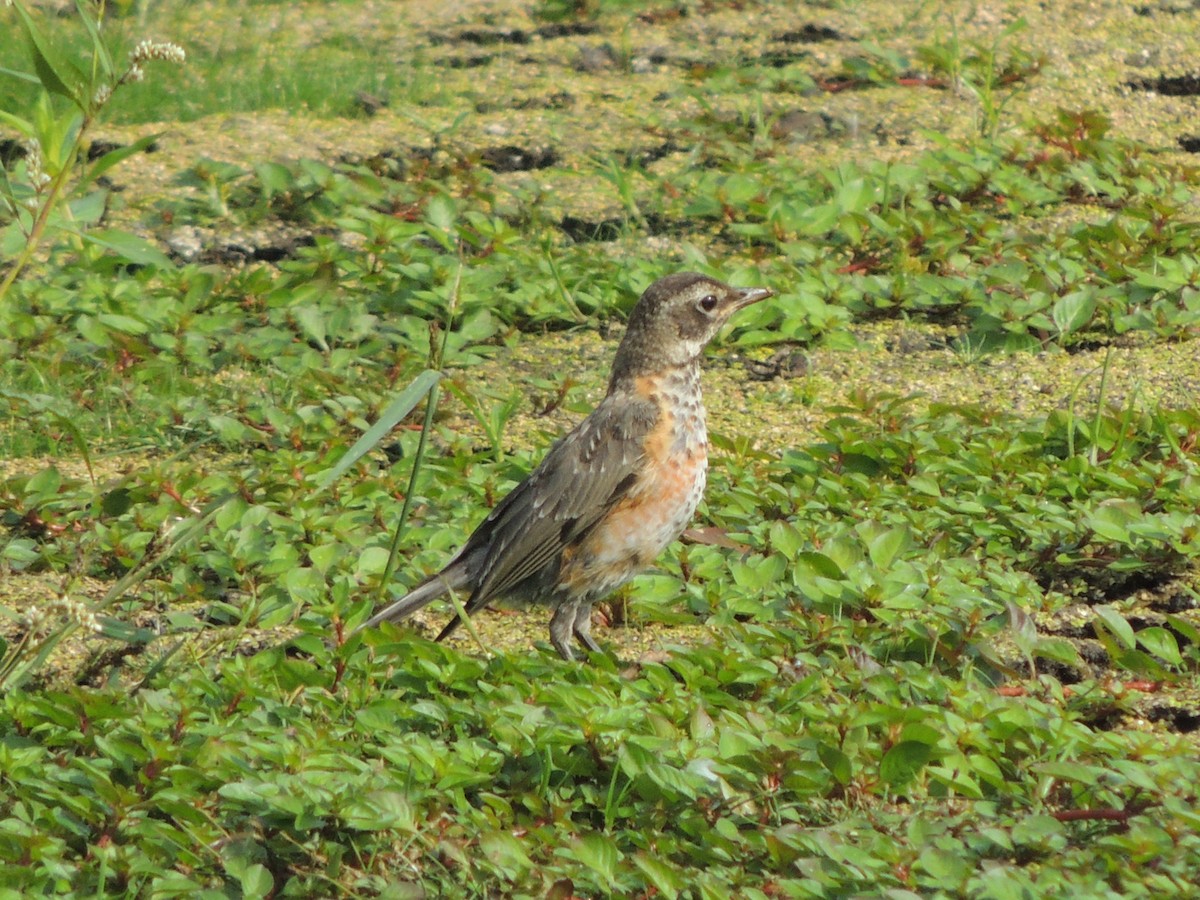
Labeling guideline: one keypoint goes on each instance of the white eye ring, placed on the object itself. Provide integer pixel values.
(707, 303)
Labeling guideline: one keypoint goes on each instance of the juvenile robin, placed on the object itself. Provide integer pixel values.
(611, 495)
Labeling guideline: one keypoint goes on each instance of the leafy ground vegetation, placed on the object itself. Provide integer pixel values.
(273, 324)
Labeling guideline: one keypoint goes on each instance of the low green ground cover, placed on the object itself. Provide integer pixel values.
(935, 648)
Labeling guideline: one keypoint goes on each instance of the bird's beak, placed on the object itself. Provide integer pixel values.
(746, 296)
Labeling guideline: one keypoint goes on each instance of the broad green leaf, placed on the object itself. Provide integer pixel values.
(886, 547)
(667, 880)
(600, 854)
(312, 322)
(128, 246)
(1073, 311)
(122, 324)
(505, 852)
(1111, 520)
(925, 484)
(89, 208)
(837, 762)
(1161, 643)
(441, 213)
(1117, 625)
(902, 762)
(371, 562)
(256, 881)
(275, 178)
(53, 69)
(820, 565)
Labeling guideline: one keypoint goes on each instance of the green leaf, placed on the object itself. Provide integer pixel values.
(1058, 649)
(1040, 831)
(837, 762)
(400, 407)
(128, 633)
(90, 208)
(305, 585)
(256, 881)
(122, 324)
(116, 502)
(1112, 518)
(1187, 630)
(23, 76)
(1073, 311)
(785, 537)
(128, 246)
(19, 553)
(506, 853)
(820, 565)
(371, 562)
(53, 70)
(1161, 643)
(945, 866)
(1117, 625)
(666, 880)
(887, 546)
(275, 178)
(925, 484)
(598, 853)
(441, 213)
(901, 763)
(104, 61)
(313, 323)
(23, 126)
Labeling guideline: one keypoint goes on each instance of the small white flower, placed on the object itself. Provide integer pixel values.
(103, 93)
(163, 50)
(33, 618)
(68, 607)
(79, 612)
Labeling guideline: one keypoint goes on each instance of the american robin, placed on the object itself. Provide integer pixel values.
(613, 493)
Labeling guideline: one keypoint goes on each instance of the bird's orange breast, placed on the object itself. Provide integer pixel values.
(658, 505)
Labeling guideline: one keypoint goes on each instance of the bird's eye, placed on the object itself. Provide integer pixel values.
(707, 303)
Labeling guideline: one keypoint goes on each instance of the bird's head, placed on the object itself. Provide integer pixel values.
(674, 320)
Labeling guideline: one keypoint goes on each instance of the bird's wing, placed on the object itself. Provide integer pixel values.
(579, 480)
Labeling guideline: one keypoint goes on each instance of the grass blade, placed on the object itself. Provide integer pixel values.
(400, 407)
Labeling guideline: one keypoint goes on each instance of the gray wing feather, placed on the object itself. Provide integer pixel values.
(579, 480)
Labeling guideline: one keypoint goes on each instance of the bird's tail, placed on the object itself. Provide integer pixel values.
(452, 578)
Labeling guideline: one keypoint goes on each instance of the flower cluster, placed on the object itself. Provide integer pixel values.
(147, 50)
(38, 179)
(163, 50)
(66, 606)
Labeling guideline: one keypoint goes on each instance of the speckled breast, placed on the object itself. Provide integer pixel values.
(660, 505)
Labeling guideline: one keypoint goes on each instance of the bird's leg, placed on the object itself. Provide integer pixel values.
(583, 627)
(561, 626)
